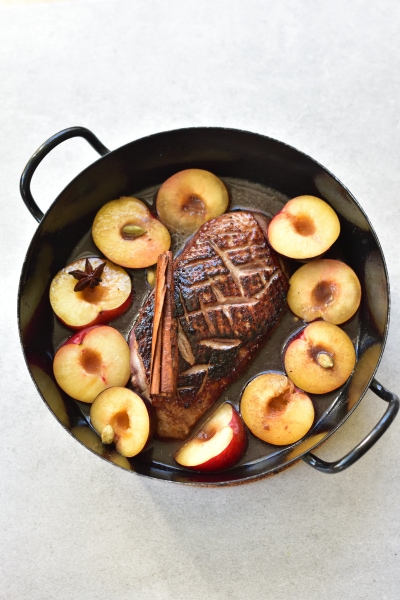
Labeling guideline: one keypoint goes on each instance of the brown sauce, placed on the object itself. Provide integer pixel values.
(243, 196)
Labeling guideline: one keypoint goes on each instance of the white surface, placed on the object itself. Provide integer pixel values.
(323, 77)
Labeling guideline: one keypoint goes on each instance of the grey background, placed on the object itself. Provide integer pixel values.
(321, 76)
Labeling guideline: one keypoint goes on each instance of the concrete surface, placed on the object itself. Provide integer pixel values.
(323, 77)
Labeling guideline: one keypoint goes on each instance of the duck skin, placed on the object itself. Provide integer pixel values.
(229, 293)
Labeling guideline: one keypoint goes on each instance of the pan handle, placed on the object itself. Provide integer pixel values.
(38, 156)
(367, 442)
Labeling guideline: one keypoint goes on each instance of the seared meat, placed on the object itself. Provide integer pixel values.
(229, 293)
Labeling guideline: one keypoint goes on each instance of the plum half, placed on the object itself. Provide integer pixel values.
(123, 418)
(275, 410)
(320, 359)
(305, 228)
(218, 444)
(92, 360)
(126, 232)
(324, 288)
(189, 198)
(109, 297)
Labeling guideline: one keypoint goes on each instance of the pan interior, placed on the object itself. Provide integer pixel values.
(65, 234)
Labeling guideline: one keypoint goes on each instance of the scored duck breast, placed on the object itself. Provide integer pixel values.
(229, 293)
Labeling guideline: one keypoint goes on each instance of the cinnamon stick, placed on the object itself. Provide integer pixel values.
(159, 296)
(164, 347)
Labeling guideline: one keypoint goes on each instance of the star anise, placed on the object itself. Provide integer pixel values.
(89, 277)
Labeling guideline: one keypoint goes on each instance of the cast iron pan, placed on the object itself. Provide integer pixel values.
(260, 173)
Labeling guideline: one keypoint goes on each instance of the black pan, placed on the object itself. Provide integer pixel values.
(260, 173)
